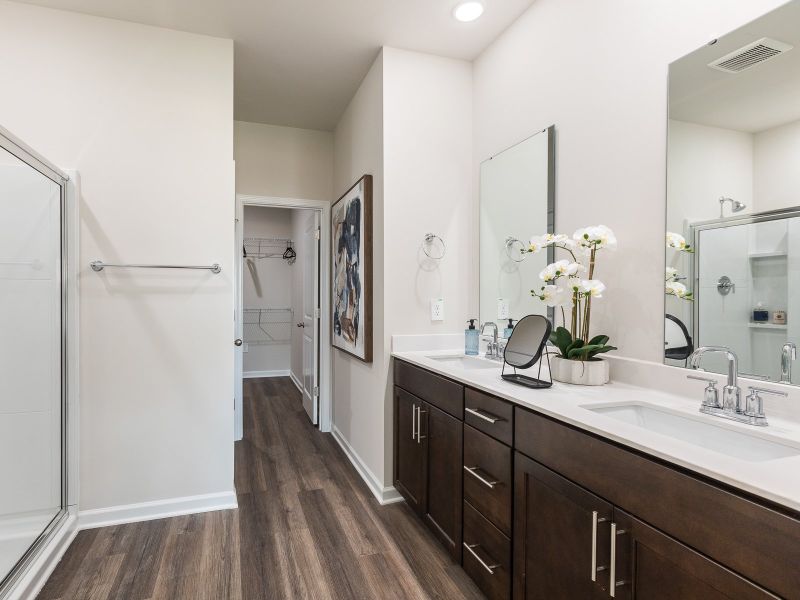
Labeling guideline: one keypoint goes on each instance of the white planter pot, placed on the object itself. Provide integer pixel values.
(579, 372)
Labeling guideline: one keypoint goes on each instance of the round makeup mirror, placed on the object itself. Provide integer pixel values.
(525, 347)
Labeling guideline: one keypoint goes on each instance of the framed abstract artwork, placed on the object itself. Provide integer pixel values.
(351, 271)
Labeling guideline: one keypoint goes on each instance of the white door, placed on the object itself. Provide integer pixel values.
(310, 323)
(238, 328)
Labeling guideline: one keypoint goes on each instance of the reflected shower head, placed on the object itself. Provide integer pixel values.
(736, 206)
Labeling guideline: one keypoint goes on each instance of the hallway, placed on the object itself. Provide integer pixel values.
(307, 527)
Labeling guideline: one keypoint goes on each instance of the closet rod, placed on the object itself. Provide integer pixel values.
(99, 265)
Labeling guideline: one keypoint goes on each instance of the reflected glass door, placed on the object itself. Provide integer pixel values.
(31, 358)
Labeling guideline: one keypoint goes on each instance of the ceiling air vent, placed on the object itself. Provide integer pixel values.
(750, 55)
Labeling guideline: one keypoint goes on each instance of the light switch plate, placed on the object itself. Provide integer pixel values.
(502, 308)
(437, 309)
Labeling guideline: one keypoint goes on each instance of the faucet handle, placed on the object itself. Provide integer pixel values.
(754, 404)
(711, 394)
(711, 382)
(757, 390)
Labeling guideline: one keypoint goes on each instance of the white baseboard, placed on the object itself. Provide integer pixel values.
(384, 495)
(297, 383)
(159, 509)
(39, 571)
(259, 374)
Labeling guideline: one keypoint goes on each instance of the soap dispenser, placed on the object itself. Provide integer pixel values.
(509, 329)
(471, 339)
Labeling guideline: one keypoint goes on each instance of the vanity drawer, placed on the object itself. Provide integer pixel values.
(487, 555)
(758, 541)
(488, 477)
(442, 393)
(489, 414)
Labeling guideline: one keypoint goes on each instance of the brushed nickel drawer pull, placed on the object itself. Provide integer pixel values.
(490, 418)
(486, 566)
(413, 421)
(474, 472)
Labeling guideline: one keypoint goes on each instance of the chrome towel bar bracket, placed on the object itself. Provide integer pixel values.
(99, 265)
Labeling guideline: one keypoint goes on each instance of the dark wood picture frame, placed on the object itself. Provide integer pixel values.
(365, 183)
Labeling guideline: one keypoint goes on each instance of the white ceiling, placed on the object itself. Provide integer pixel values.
(759, 98)
(298, 62)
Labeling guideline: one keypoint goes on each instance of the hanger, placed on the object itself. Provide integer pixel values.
(289, 254)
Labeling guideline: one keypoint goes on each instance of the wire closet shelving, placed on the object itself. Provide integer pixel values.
(257, 247)
(264, 326)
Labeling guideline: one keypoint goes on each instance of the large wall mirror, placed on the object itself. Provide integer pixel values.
(733, 199)
(517, 201)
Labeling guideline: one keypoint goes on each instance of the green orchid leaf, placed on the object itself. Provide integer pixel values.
(600, 340)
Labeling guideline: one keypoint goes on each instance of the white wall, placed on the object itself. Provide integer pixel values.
(777, 167)
(146, 116)
(409, 125)
(283, 161)
(704, 163)
(598, 71)
(359, 389)
(267, 283)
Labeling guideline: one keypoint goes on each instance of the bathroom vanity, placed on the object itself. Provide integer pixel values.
(592, 493)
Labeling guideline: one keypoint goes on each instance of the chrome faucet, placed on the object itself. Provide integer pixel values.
(731, 407)
(492, 349)
(731, 394)
(788, 354)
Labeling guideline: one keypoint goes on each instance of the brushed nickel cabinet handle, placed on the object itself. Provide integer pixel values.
(613, 584)
(595, 520)
(594, 545)
(413, 421)
(474, 472)
(490, 418)
(488, 567)
(612, 589)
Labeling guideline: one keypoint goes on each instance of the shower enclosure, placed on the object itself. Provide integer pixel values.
(33, 357)
(740, 266)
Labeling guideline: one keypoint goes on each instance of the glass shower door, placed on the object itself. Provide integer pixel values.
(32, 480)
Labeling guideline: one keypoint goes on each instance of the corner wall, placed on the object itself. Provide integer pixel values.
(146, 117)
(409, 125)
(359, 409)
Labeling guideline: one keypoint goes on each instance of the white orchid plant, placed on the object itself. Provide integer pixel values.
(672, 284)
(570, 284)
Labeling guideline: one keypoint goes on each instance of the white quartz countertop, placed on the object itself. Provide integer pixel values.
(776, 479)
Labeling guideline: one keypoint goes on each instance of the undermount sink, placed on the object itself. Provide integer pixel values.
(697, 431)
(465, 362)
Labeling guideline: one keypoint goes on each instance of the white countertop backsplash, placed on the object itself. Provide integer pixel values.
(639, 381)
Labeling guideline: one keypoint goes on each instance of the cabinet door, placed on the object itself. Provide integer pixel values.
(650, 564)
(409, 466)
(443, 435)
(561, 536)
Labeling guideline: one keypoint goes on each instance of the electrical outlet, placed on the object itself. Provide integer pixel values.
(502, 308)
(437, 309)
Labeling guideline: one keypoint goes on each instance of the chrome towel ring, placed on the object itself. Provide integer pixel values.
(427, 244)
(510, 243)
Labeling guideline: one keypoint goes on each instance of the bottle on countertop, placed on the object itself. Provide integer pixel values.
(471, 339)
(509, 329)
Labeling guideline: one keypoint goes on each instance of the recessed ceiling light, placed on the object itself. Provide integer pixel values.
(468, 11)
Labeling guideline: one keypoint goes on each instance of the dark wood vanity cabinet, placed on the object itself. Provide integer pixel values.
(689, 538)
(533, 508)
(560, 531)
(428, 450)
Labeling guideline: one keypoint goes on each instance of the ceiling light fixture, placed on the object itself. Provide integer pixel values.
(468, 11)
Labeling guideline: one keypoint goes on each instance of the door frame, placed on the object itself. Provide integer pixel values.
(325, 354)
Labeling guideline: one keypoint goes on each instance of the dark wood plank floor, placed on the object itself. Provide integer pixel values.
(306, 527)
